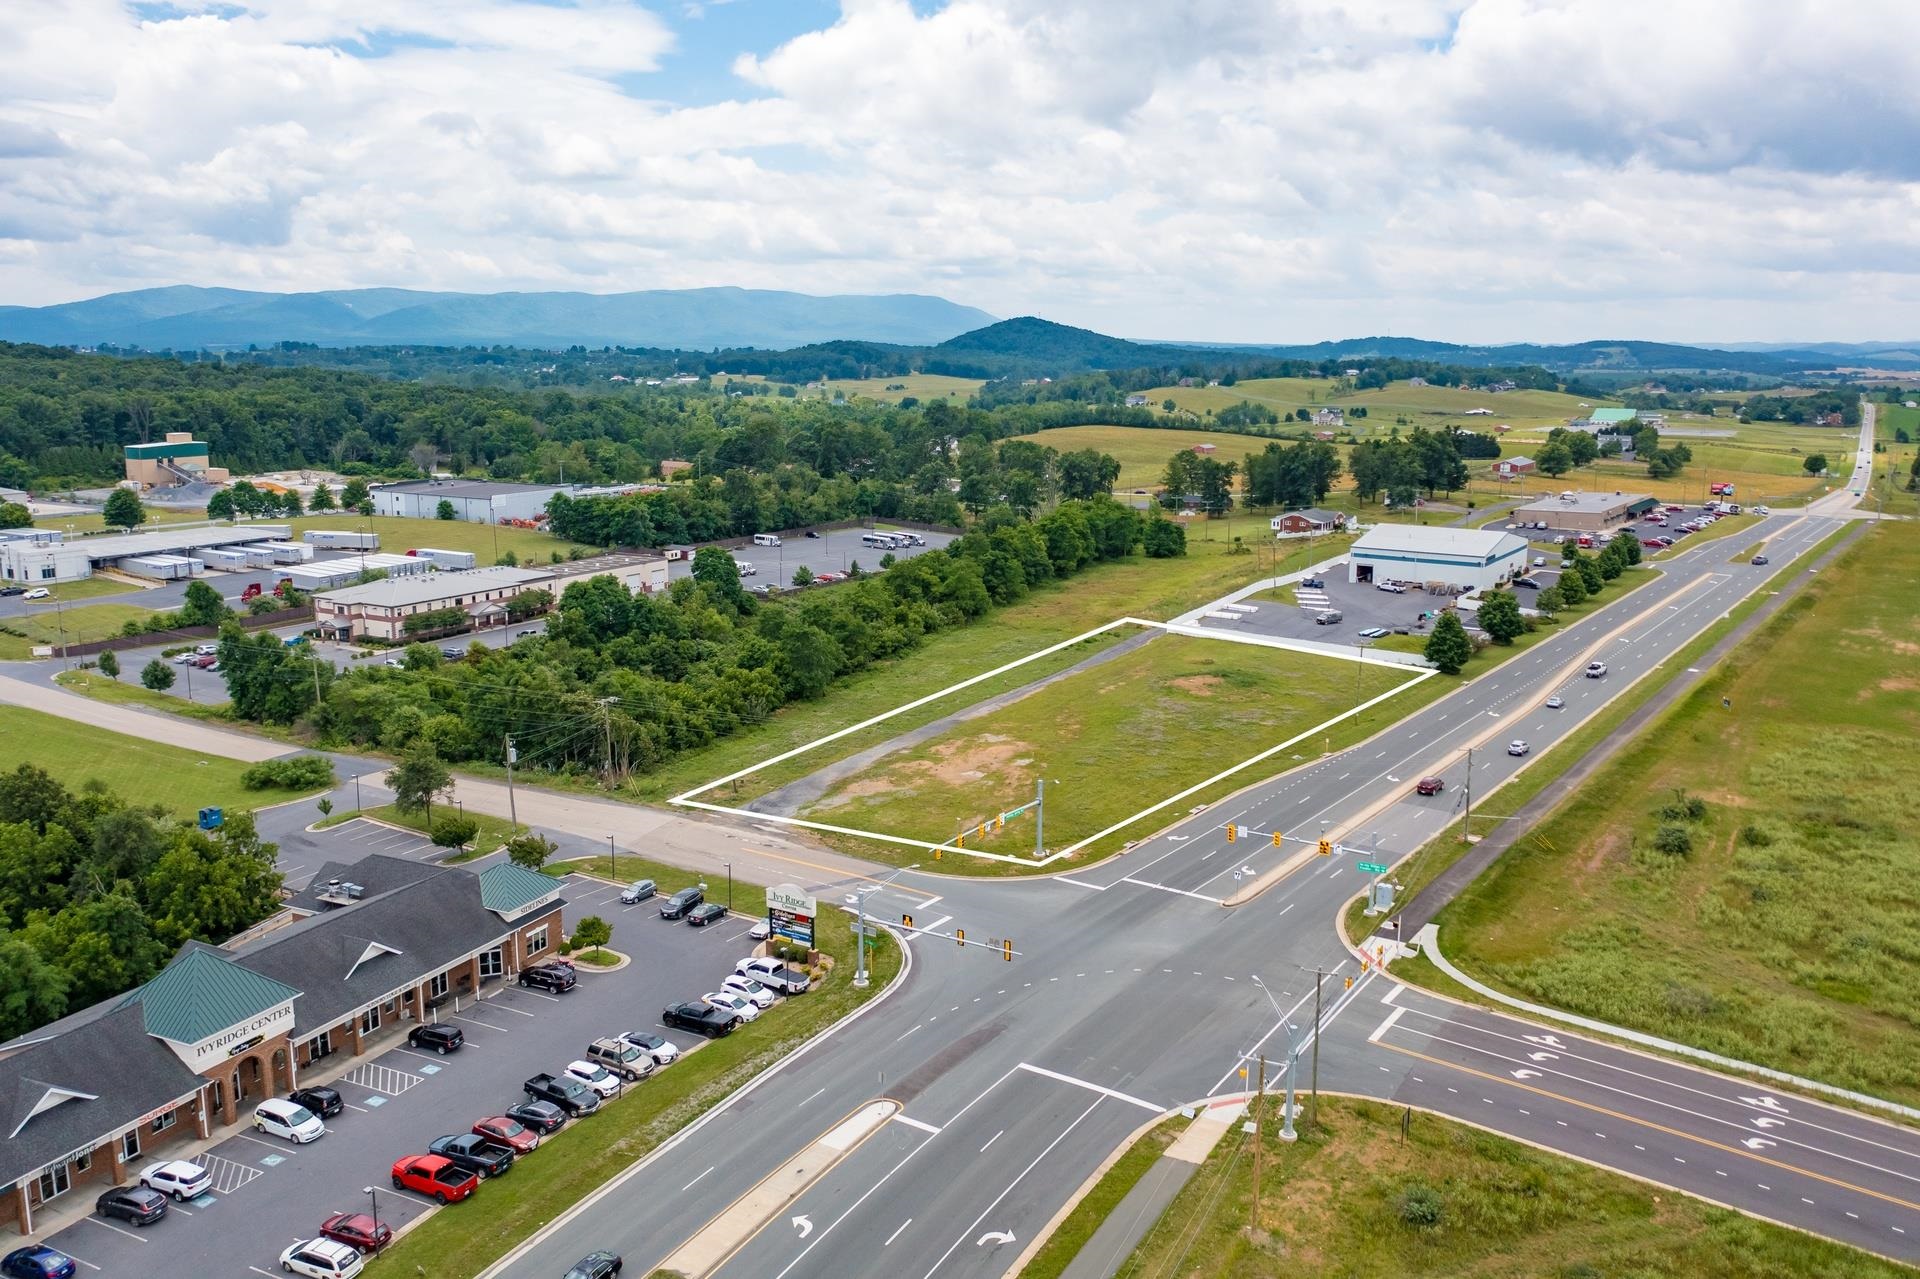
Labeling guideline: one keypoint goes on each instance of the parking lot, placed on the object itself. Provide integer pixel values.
(269, 1193)
(1361, 606)
(1674, 514)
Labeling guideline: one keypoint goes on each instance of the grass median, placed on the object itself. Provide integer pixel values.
(493, 832)
(1072, 1234)
(1354, 1198)
(467, 1238)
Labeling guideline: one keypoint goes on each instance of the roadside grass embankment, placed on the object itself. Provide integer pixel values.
(1756, 899)
(1352, 1199)
(746, 899)
(467, 1238)
(493, 832)
(140, 771)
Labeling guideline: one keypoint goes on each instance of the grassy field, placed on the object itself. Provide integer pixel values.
(748, 899)
(891, 390)
(486, 541)
(1136, 587)
(1143, 451)
(1778, 926)
(90, 588)
(494, 831)
(1398, 404)
(140, 771)
(80, 625)
(1893, 467)
(465, 1238)
(156, 516)
(1352, 1200)
(1108, 741)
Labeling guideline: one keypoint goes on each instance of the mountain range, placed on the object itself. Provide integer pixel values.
(190, 318)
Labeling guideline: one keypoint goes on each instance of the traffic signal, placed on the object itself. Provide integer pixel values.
(960, 935)
(1232, 830)
(999, 823)
(960, 840)
(1006, 950)
(1276, 839)
(1326, 848)
(906, 921)
(983, 830)
(1349, 985)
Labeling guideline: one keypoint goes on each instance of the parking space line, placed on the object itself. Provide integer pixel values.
(277, 1148)
(509, 1008)
(108, 1225)
(484, 1024)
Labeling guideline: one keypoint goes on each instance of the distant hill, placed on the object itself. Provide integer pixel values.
(188, 318)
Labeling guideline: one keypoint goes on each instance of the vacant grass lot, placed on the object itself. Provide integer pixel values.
(465, 1238)
(1894, 467)
(140, 771)
(1763, 460)
(1136, 587)
(1350, 1200)
(156, 516)
(1780, 924)
(924, 386)
(1108, 741)
(487, 541)
(79, 625)
(1143, 451)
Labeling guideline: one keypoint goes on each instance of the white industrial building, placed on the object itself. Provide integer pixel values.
(1471, 559)
(41, 556)
(475, 501)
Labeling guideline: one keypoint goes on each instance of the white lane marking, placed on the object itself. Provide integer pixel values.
(997, 1136)
(696, 1181)
(108, 1225)
(815, 1093)
(1392, 994)
(1090, 1087)
(927, 1128)
(897, 1229)
(1386, 1025)
(975, 1225)
(904, 1034)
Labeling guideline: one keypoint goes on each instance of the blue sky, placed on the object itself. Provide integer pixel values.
(1225, 170)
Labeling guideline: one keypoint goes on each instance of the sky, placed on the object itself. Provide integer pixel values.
(1218, 170)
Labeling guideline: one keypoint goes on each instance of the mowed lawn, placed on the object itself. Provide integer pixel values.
(140, 771)
(1109, 741)
(1764, 461)
(487, 541)
(1133, 587)
(1780, 926)
(1429, 406)
(891, 390)
(1142, 451)
(1894, 466)
(1352, 1200)
(79, 625)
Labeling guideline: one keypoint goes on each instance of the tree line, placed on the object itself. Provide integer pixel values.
(96, 894)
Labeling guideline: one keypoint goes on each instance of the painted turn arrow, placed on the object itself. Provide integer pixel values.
(1524, 1074)
(995, 1237)
(1764, 1122)
(804, 1225)
(1758, 1143)
(1543, 1056)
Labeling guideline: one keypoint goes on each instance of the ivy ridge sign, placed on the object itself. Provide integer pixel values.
(791, 912)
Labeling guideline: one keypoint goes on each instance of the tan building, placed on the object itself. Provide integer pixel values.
(178, 459)
(92, 1098)
(1573, 512)
(379, 610)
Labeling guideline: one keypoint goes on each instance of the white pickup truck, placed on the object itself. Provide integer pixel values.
(774, 975)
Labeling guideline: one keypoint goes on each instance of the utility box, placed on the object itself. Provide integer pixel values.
(212, 818)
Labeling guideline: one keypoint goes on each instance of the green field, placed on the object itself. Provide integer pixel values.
(1894, 467)
(90, 588)
(1351, 1200)
(1763, 460)
(1108, 741)
(1143, 451)
(1398, 404)
(81, 625)
(140, 771)
(487, 541)
(156, 515)
(1785, 933)
(1135, 587)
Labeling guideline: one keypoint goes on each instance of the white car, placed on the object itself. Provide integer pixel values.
(663, 1051)
(1517, 747)
(178, 1178)
(288, 1120)
(761, 930)
(728, 1002)
(1596, 669)
(594, 1076)
(38, 593)
(1555, 702)
(322, 1259)
(748, 989)
(181, 659)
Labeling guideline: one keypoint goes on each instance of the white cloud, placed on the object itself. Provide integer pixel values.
(1227, 169)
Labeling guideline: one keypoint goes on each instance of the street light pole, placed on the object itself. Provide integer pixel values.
(356, 792)
(611, 872)
(373, 1195)
(729, 887)
(1293, 1060)
(860, 941)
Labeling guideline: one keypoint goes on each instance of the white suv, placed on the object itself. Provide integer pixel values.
(178, 1178)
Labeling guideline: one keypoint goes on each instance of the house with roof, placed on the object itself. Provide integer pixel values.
(1512, 468)
(1309, 522)
(1330, 417)
(1136, 401)
(366, 951)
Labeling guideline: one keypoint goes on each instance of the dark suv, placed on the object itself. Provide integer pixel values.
(437, 1035)
(556, 978)
(680, 903)
(324, 1102)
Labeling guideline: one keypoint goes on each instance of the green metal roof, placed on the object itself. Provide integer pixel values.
(507, 889)
(1644, 505)
(1613, 415)
(203, 992)
(187, 448)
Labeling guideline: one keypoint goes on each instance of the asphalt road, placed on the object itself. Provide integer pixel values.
(1133, 991)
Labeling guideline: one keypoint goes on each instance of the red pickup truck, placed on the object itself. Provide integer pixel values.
(435, 1176)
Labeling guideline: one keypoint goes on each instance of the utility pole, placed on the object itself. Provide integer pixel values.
(1259, 1139)
(1040, 819)
(1466, 822)
(1313, 1102)
(606, 725)
(513, 813)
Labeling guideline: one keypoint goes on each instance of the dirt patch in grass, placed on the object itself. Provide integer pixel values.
(1197, 685)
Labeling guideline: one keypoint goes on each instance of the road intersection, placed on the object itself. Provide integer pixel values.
(1136, 993)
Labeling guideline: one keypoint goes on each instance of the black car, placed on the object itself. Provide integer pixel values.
(13, 590)
(138, 1204)
(542, 1116)
(550, 977)
(706, 913)
(680, 903)
(699, 1016)
(473, 1152)
(438, 1036)
(595, 1265)
(324, 1102)
(1314, 583)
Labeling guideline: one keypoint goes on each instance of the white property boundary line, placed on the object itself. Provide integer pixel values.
(687, 799)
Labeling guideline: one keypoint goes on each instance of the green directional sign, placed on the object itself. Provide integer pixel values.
(1372, 868)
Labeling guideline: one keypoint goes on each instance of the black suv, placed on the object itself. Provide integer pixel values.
(680, 903)
(438, 1036)
(551, 977)
(324, 1102)
(542, 1116)
(135, 1204)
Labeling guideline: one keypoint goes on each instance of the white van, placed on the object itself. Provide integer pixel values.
(766, 539)
(880, 540)
(287, 1119)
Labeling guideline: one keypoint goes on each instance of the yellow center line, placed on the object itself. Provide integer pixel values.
(1648, 1123)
